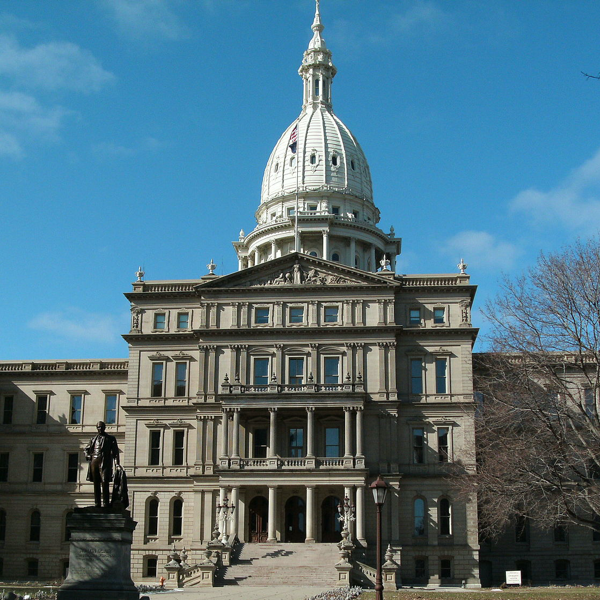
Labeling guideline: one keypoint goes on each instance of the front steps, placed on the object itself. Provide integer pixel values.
(282, 564)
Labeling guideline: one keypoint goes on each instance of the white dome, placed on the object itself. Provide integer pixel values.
(330, 157)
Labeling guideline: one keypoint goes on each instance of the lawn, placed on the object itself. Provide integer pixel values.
(578, 593)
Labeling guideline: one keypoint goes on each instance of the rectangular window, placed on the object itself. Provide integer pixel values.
(183, 320)
(72, 467)
(261, 371)
(7, 411)
(151, 566)
(332, 368)
(4, 466)
(178, 446)
(414, 316)
(261, 315)
(420, 568)
(521, 530)
(296, 371)
(157, 379)
(37, 474)
(590, 401)
(160, 321)
(297, 442)
(110, 409)
(332, 441)
(291, 212)
(32, 567)
(155, 447)
(335, 210)
(416, 376)
(418, 441)
(181, 379)
(41, 409)
(440, 375)
(442, 434)
(356, 214)
(331, 314)
(446, 568)
(260, 442)
(76, 409)
(560, 533)
(297, 315)
(439, 316)
(316, 87)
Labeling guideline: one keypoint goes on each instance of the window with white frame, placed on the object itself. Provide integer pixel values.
(154, 449)
(158, 372)
(181, 369)
(296, 370)
(414, 316)
(439, 315)
(331, 314)
(261, 315)
(183, 320)
(76, 413)
(331, 369)
(441, 375)
(296, 315)
(260, 370)
(160, 320)
(178, 446)
(110, 409)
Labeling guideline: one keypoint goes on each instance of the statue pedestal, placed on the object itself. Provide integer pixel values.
(100, 556)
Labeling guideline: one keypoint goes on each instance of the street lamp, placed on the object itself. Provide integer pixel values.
(380, 489)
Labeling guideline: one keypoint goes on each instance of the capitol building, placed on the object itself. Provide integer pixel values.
(285, 387)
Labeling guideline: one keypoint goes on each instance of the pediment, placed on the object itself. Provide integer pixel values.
(298, 270)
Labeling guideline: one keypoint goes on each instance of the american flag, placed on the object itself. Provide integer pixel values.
(294, 139)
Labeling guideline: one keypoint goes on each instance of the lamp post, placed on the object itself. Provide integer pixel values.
(380, 489)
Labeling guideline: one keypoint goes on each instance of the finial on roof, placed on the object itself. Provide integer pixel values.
(140, 274)
(242, 235)
(462, 265)
(211, 266)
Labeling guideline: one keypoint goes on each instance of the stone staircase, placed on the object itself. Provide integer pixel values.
(282, 564)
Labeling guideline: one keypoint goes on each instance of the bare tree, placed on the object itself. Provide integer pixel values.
(538, 427)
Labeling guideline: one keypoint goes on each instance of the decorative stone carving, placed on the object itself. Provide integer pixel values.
(299, 276)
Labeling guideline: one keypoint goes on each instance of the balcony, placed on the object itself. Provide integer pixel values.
(308, 388)
(278, 463)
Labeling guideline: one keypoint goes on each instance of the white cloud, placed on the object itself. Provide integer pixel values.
(144, 19)
(52, 66)
(480, 249)
(112, 149)
(79, 325)
(574, 203)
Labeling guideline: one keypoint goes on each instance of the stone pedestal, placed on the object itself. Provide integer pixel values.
(100, 556)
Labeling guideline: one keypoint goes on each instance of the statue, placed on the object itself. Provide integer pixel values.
(100, 452)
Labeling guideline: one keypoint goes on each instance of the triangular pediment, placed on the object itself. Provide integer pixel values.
(298, 269)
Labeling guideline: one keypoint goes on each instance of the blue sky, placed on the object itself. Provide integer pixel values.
(135, 132)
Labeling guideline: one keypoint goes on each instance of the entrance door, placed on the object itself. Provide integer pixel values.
(295, 520)
(331, 528)
(259, 519)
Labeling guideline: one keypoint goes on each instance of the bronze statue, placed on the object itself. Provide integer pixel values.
(100, 453)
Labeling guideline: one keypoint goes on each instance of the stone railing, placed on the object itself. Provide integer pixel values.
(275, 388)
(92, 365)
(278, 463)
(187, 286)
(434, 280)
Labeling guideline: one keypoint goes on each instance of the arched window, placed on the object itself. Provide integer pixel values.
(35, 525)
(177, 522)
(2, 525)
(445, 517)
(313, 159)
(152, 517)
(335, 257)
(334, 160)
(313, 253)
(419, 516)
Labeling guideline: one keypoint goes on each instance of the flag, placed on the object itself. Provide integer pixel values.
(294, 139)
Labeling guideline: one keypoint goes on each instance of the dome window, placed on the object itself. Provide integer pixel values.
(353, 165)
(276, 167)
(335, 257)
(317, 88)
(292, 160)
(334, 160)
(313, 253)
(313, 158)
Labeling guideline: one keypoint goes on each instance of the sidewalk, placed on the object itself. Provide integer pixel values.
(233, 592)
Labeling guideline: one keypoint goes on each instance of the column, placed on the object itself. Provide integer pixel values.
(201, 369)
(272, 432)
(233, 362)
(212, 371)
(347, 432)
(373, 263)
(199, 439)
(359, 432)
(235, 501)
(382, 369)
(310, 514)
(209, 463)
(325, 233)
(393, 262)
(381, 311)
(256, 256)
(314, 362)
(352, 262)
(273, 249)
(244, 319)
(221, 520)
(272, 534)
(243, 363)
(392, 365)
(235, 314)
(225, 434)
(360, 513)
(313, 316)
(350, 362)
(240, 263)
(279, 363)
(310, 433)
(214, 307)
(236, 433)
(360, 361)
